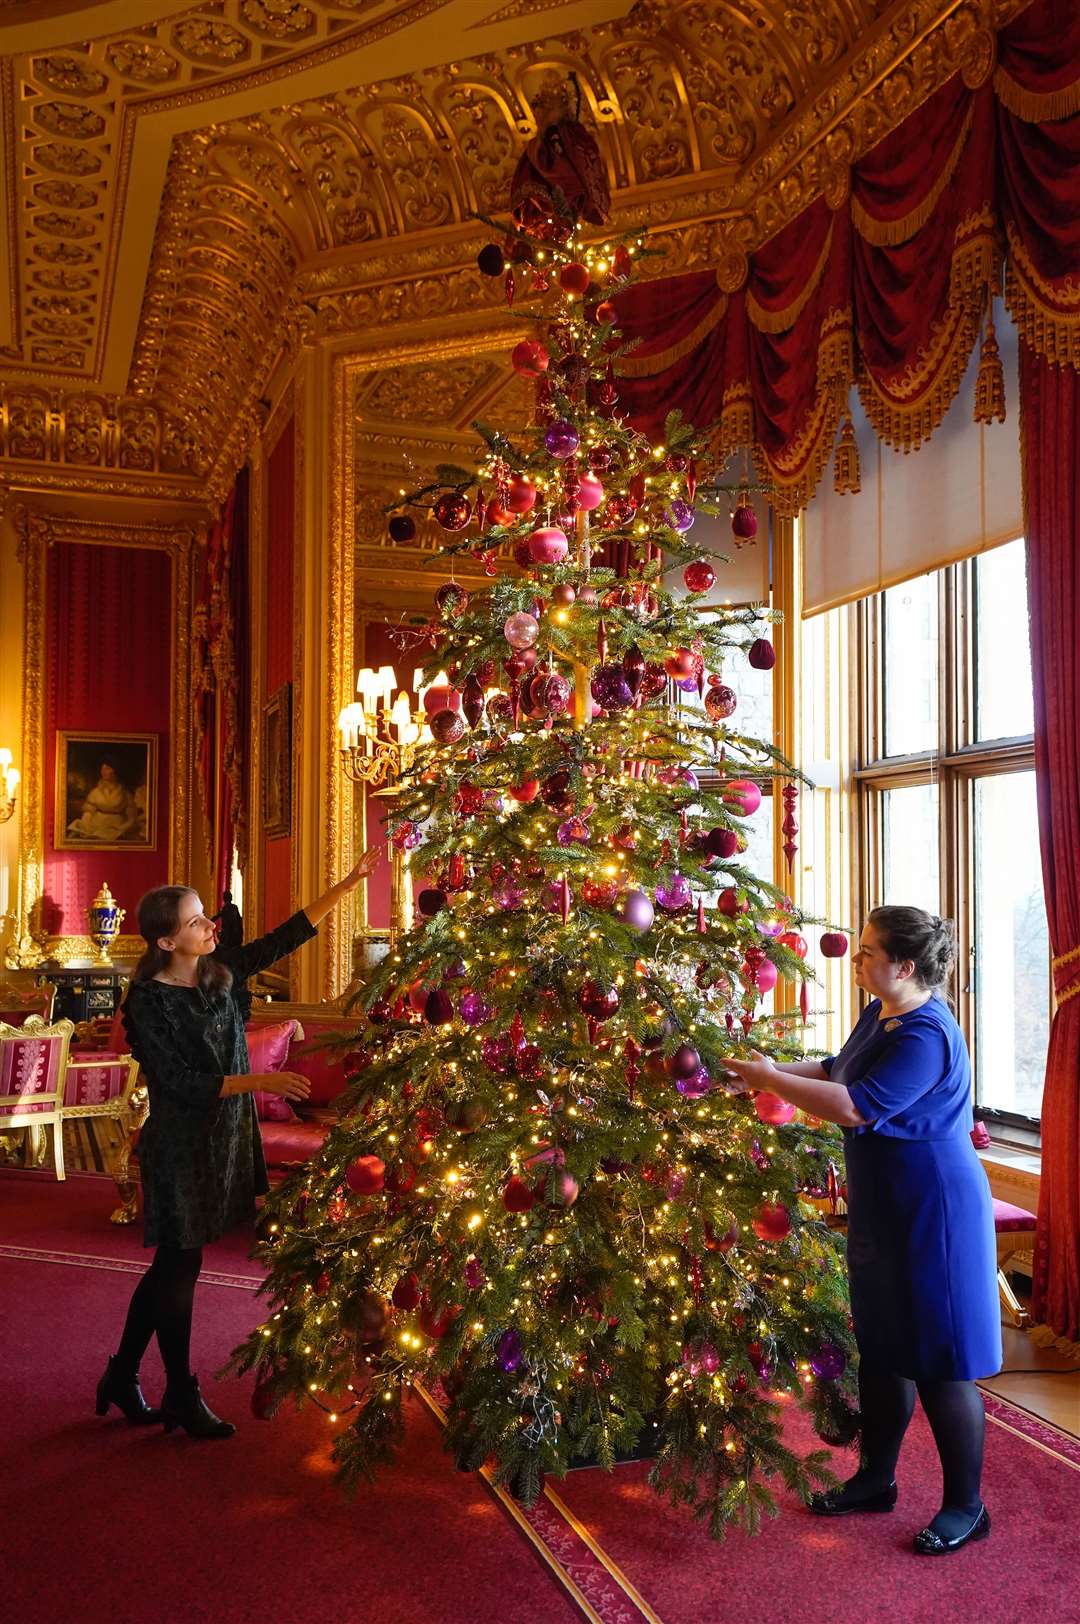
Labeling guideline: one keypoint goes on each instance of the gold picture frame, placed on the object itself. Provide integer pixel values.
(106, 791)
(277, 762)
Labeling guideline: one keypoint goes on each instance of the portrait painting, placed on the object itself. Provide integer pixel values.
(106, 791)
(277, 762)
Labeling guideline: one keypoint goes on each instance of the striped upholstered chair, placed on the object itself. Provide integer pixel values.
(106, 1086)
(33, 1071)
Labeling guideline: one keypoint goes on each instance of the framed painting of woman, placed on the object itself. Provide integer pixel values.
(106, 791)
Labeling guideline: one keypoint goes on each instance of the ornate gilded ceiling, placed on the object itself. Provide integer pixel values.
(187, 194)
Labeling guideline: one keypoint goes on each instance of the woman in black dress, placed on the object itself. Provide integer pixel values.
(200, 1153)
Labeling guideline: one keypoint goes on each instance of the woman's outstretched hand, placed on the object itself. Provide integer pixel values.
(757, 1072)
(365, 865)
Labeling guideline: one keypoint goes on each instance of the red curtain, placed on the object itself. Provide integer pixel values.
(888, 287)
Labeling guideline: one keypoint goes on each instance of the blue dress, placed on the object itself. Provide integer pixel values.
(922, 1257)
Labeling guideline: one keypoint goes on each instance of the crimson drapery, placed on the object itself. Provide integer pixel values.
(887, 288)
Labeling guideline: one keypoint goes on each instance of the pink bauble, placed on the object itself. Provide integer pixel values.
(834, 944)
(590, 493)
(521, 630)
(772, 1109)
(765, 976)
(548, 545)
(745, 795)
(771, 1221)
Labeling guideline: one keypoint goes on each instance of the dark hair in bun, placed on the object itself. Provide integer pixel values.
(911, 933)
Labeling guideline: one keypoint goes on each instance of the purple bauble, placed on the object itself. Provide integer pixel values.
(610, 688)
(696, 1086)
(551, 897)
(637, 910)
(674, 895)
(475, 1009)
(562, 439)
(679, 515)
(521, 630)
(495, 1052)
(687, 685)
(508, 896)
(574, 832)
(828, 1362)
(508, 1351)
(474, 1274)
(700, 1357)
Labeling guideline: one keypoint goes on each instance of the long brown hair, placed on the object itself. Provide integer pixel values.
(159, 915)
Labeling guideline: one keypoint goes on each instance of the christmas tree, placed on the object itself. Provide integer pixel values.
(541, 1194)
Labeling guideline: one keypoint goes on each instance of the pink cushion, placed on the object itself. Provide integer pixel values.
(95, 1084)
(29, 1066)
(293, 1141)
(1008, 1218)
(268, 1050)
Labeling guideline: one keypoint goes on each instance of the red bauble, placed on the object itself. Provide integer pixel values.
(772, 1109)
(406, 1294)
(453, 510)
(447, 727)
(699, 576)
(430, 902)
(498, 513)
(574, 278)
(529, 358)
(681, 664)
(526, 791)
(380, 1012)
(743, 794)
(834, 944)
(517, 1197)
(720, 702)
(435, 1322)
(771, 1221)
(728, 903)
(744, 522)
(402, 527)
(563, 594)
(452, 599)
(521, 496)
(264, 1400)
(439, 697)
(598, 1002)
(762, 655)
(366, 1175)
(794, 943)
(606, 313)
(590, 492)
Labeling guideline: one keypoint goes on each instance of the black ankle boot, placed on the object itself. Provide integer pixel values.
(119, 1388)
(184, 1407)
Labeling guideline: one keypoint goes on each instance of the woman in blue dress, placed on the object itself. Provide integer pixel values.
(922, 1258)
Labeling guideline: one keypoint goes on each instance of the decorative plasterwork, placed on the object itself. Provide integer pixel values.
(38, 531)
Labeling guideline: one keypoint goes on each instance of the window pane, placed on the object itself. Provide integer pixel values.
(1003, 700)
(1012, 1016)
(911, 667)
(910, 875)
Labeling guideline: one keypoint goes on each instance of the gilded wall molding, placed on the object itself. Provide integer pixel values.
(37, 531)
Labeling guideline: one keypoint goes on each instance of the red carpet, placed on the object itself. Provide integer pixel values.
(801, 1568)
(123, 1525)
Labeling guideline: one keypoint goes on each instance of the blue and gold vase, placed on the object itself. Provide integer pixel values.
(105, 921)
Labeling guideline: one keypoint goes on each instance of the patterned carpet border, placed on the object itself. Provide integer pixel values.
(593, 1580)
(1043, 1434)
(85, 1260)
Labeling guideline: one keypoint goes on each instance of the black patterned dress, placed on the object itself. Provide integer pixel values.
(201, 1156)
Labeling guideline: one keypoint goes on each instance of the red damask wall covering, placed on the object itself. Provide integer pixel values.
(278, 659)
(107, 658)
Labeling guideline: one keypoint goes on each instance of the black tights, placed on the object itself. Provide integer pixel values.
(162, 1302)
(957, 1420)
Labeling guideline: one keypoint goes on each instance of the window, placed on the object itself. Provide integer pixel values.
(947, 811)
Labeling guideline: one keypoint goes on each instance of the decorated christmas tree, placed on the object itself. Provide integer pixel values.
(541, 1199)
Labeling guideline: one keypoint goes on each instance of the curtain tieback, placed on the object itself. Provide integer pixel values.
(1072, 990)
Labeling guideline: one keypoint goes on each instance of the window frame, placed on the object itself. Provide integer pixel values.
(956, 763)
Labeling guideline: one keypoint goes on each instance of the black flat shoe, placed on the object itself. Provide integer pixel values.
(118, 1388)
(927, 1543)
(185, 1407)
(834, 1503)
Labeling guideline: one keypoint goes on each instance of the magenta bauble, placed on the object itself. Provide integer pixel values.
(563, 594)
(548, 545)
(828, 1362)
(637, 910)
(365, 1175)
(763, 976)
(437, 1008)
(743, 794)
(834, 944)
(685, 1062)
(762, 655)
(561, 439)
(674, 894)
(699, 576)
(590, 493)
(529, 358)
(772, 1109)
(521, 630)
(475, 1009)
(611, 689)
(771, 1221)
(564, 1192)
(695, 1087)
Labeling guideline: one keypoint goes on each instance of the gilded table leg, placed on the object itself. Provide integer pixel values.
(126, 1179)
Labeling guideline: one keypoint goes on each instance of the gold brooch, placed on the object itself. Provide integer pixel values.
(890, 1026)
